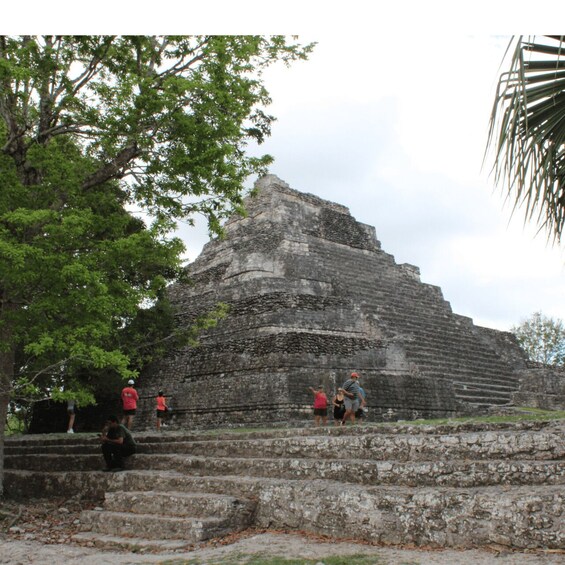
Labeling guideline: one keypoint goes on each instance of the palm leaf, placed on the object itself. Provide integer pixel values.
(527, 131)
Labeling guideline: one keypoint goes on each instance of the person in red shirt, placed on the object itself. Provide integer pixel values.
(129, 404)
(320, 406)
(161, 409)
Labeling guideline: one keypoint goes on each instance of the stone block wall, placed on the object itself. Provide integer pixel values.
(541, 387)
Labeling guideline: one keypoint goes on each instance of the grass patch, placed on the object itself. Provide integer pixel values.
(244, 559)
(518, 414)
(242, 430)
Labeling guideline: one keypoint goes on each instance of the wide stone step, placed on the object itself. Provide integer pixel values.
(131, 544)
(525, 440)
(51, 448)
(493, 389)
(149, 526)
(43, 440)
(480, 446)
(482, 398)
(399, 428)
(359, 471)
(237, 511)
(165, 481)
(55, 462)
(40, 484)
(382, 446)
(485, 384)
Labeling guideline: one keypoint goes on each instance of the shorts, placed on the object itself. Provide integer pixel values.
(320, 411)
(129, 412)
(161, 413)
(351, 404)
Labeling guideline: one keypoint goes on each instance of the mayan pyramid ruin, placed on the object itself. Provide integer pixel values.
(312, 296)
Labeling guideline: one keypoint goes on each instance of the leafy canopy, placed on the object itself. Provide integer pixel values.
(542, 338)
(106, 142)
(172, 115)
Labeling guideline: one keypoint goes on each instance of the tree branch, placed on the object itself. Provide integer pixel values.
(114, 168)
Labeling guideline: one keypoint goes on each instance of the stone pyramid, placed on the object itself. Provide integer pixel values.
(313, 297)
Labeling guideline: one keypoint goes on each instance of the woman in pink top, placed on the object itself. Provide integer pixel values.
(320, 406)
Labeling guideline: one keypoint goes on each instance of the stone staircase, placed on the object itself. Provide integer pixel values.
(146, 517)
(456, 485)
(441, 342)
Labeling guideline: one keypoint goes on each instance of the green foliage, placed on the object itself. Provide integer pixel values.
(73, 389)
(152, 331)
(542, 338)
(106, 142)
(172, 114)
(15, 423)
(527, 129)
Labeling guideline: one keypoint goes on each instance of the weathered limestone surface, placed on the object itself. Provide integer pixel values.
(312, 297)
(541, 387)
(448, 486)
(189, 516)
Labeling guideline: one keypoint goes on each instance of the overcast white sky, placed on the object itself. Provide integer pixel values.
(396, 132)
(389, 117)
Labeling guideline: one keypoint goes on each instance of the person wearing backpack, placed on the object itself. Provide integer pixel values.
(352, 400)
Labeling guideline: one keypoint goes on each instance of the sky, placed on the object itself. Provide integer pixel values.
(396, 131)
(389, 117)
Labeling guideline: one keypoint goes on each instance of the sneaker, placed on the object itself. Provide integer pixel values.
(71, 431)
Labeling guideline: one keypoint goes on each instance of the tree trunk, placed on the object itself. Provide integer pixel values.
(7, 360)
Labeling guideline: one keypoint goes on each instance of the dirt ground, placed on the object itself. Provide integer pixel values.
(40, 532)
(289, 546)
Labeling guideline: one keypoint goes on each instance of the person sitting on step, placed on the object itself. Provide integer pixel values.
(117, 443)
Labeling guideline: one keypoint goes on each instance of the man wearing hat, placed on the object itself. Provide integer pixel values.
(352, 400)
(129, 403)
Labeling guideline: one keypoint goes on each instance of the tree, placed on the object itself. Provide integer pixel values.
(527, 130)
(542, 338)
(105, 144)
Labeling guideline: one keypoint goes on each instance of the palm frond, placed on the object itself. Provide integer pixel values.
(527, 130)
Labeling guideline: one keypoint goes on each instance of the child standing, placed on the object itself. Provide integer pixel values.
(161, 408)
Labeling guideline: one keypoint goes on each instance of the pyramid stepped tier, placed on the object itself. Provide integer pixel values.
(456, 485)
(312, 297)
